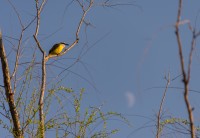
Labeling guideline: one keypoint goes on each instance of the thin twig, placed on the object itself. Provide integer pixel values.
(38, 9)
(38, 44)
(193, 44)
(38, 18)
(19, 41)
(18, 15)
(161, 105)
(17, 55)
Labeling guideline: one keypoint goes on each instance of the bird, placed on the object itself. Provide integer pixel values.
(57, 48)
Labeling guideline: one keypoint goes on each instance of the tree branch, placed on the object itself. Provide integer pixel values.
(185, 78)
(8, 91)
(41, 128)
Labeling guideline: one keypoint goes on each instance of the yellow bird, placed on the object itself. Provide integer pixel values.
(57, 48)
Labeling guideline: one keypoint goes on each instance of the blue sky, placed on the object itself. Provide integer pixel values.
(133, 48)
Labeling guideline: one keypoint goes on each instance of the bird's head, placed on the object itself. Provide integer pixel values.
(64, 43)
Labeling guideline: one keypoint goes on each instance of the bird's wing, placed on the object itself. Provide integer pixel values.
(53, 48)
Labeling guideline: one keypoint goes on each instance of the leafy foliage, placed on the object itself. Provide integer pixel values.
(89, 122)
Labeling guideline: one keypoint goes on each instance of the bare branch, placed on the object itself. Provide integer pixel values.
(41, 128)
(18, 15)
(185, 78)
(109, 4)
(17, 55)
(38, 9)
(193, 44)
(41, 100)
(83, 17)
(8, 91)
(179, 39)
(161, 105)
(38, 18)
(19, 41)
(38, 44)
(23, 28)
